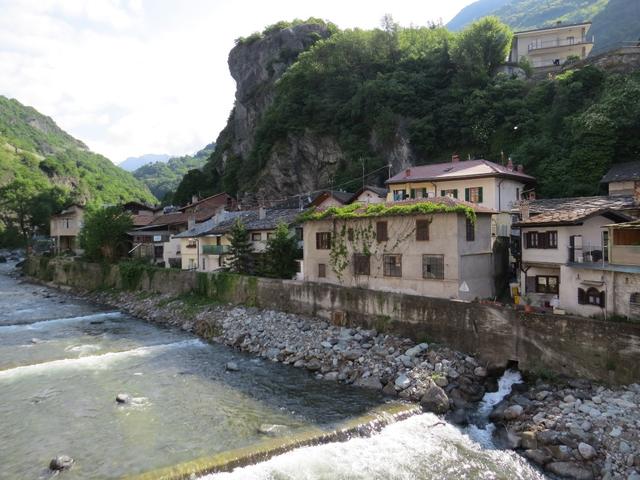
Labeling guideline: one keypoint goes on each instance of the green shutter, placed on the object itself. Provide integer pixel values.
(480, 195)
(442, 193)
(455, 193)
(466, 194)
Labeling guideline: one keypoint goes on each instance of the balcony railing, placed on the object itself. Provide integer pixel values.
(557, 43)
(587, 253)
(215, 249)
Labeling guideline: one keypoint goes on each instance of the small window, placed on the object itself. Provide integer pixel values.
(473, 194)
(322, 270)
(299, 234)
(592, 296)
(269, 235)
(399, 195)
(392, 265)
(323, 240)
(361, 264)
(471, 230)
(433, 266)
(422, 230)
(634, 299)
(381, 232)
(350, 234)
(256, 236)
(453, 193)
(547, 284)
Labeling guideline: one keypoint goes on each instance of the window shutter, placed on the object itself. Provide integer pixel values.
(466, 194)
(442, 193)
(479, 194)
(582, 296)
(603, 298)
(455, 193)
(530, 284)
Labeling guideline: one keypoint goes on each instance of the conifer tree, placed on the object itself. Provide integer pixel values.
(282, 251)
(241, 252)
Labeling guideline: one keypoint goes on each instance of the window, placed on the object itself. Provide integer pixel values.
(591, 296)
(453, 193)
(381, 232)
(422, 230)
(350, 234)
(399, 195)
(269, 235)
(191, 243)
(299, 234)
(256, 236)
(204, 264)
(323, 240)
(541, 239)
(361, 264)
(322, 270)
(471, 230)
(392, 265)
(547, 284)
(517, 194)
(473, 194)
(418, 193)
(634, 299)
(433, 266)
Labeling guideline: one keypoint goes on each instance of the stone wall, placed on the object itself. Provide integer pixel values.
(575, 346)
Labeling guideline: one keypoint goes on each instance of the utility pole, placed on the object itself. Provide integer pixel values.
(362, 160)
(389, 168)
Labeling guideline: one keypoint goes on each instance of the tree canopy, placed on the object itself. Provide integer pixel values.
(104, 234)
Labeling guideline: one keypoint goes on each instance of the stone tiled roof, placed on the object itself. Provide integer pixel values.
(458, 170)
(622, 172)
(250, 218)
(208, 225)
(341, 197)
(141, 220)
(613, 202)
(571, 217)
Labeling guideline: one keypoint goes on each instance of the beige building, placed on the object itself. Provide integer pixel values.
(480, 182)
(546, 47)
(370, 194)
(438, 254)
(65, 228)
(623, 179)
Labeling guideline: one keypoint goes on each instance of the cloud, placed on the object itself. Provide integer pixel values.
(140, 76)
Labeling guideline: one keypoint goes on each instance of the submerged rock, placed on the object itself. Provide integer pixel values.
(123, 398)
(62, 462)
(231, 367)
(272, 429)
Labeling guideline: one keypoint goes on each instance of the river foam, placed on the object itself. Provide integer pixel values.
(57, 321)
(94, 361)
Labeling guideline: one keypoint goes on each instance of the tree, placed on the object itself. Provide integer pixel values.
(240, 250)
(480, 48)
(104, 234)
(195, 182)
(281, 254)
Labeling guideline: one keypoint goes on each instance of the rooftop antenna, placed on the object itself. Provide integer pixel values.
(362, 160)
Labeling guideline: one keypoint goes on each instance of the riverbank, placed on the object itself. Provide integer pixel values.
(545, 421)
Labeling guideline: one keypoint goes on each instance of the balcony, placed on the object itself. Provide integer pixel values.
(215, 249)
(587, 253)
(541, 45)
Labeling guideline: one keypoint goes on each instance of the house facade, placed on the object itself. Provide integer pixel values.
(370, 194)
(552, 46)
(623, 179)
(438, 254)
(65, 227)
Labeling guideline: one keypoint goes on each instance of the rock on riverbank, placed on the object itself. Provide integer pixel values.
(436, 376)
(576, 429)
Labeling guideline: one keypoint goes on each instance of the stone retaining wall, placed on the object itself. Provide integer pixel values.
(575, 346)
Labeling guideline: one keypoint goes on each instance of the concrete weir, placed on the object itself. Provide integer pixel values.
(364, 425)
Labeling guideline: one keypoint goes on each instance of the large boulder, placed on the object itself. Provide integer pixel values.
(569, 470)
(61, 462)
(371, 382)
(434, 399)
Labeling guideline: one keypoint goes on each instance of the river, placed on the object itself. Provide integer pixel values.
(63, 361)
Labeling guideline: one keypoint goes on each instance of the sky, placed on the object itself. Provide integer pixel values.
(131, 77)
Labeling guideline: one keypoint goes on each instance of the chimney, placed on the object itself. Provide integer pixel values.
(524, 210)
(191, 222)
(194, 198)
(510, 165)
(520, 168)
(455, 158)
(262, 213)
(407, 172)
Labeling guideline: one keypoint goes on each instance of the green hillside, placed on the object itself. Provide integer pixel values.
(163, 177)
(432, 90)
(41, 163)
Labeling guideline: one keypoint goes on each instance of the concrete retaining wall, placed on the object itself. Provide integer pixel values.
(576, 346)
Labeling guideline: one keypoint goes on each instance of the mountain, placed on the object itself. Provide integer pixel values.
(133, 163)
(614, 21)
(163, 177)
(314, 105)
(34, 149)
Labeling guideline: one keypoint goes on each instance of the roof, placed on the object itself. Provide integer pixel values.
(571, 217)
(139, 206)
(614, 202)
(553, 27)
(380, 191)
(69, 210)
(622, 172)
(141, 220)
(341, 197)
(445, 201)
(633, 225)
(250, 219)
(217, 200)
(457, 170)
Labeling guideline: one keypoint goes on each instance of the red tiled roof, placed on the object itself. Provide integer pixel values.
(142, 220)
(457, 170)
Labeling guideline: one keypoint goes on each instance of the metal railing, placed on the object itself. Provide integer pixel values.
(557, 43)
(587, 253)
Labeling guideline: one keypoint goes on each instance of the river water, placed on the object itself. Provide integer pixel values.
(63, 361)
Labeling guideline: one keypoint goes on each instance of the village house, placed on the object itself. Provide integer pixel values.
(552, 46)
(623, 179)
(205, 247)
(331, 198)
(442, 253)
(65, 228)
(156, 239)
(370, 194)
(141, 213)
(480, 182)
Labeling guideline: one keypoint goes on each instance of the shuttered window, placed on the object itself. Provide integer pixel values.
(322, 270)
(473, 194)
(545, 240)
(361, 264)
(547, 284)
(422, 230)
(381, 232)
(323, 240)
